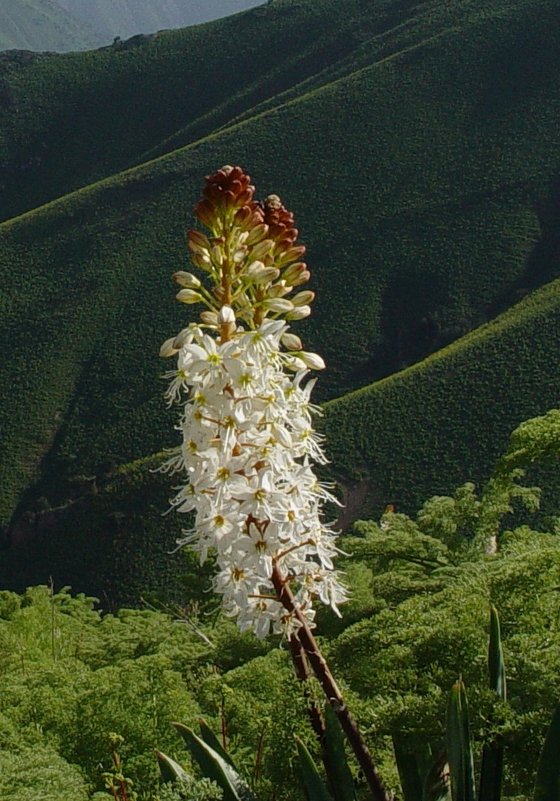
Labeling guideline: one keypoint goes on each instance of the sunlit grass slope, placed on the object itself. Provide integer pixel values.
(423, 183)
(446, 421)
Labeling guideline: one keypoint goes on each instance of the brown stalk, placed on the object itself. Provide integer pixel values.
(330, 687)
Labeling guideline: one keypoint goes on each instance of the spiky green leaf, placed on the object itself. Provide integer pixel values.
(492, 767)
(314, 787)
(547, 782)
(170, 770)
(215, 767)
(496, 664)
(436, 781)
(210, 739)
(339, 775)
(459, 745)
(408, 766)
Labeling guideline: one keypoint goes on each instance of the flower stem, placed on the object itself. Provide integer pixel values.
(301, 668)
(330, 687)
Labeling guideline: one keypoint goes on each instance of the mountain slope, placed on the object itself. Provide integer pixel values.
(72, 120)
(43, 25)
(421, 432)
(126, 18)
(442, 422)
(413, 239)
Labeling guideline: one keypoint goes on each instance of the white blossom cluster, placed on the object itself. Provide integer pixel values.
(247, 450)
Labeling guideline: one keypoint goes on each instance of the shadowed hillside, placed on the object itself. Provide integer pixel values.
(422, 166)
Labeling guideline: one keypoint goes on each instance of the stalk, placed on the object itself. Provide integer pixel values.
(330, 687)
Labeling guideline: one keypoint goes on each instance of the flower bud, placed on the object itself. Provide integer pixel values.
(181, 338)
(298, 313)
(202, 260)
(209, 318)
(280, 305)
(261, 249)
(187, 280)
(197, 241)
(312, 360)
(291, 341)
(303, 298)
(217, 255)
(257, 234)
(188, 296)
(206, 213)
(292, 254)
(295, 363)
(260, 274)
(239, 255)
(303, 278)
(226, 322)
(226, 315)
(293, 272)
(279, 290)
(168, 348)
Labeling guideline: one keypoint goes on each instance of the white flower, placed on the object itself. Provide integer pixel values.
(247, 447)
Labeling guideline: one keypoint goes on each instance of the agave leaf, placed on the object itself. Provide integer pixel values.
(496, 665)
(436, 782)
(492, 767)
(459, 745)
(409, 769)
(210, 739)
(314, 787)
(547, 783)
(170, 770)
(215, 767)
(339, 775)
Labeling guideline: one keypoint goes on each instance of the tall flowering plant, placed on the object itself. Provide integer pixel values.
(248, 445)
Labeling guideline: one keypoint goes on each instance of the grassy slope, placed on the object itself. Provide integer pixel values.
(42, 25)
(440, 220)
(114, 544)
(446, 420)
(73, 119)
(420, 432)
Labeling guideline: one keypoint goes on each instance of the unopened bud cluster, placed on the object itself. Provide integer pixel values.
(249, 254)
(247, 437)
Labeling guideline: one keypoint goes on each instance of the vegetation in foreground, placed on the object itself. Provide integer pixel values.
(418, 617)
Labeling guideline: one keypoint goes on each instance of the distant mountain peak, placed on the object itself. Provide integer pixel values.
(126, 18)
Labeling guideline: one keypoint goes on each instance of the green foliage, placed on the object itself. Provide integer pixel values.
(431, 581)
(69, 677)
(38, 771)
(195, 790)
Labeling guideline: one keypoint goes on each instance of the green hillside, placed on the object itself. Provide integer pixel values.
(43, 25)
(446, 420)
(73, 119)
(421, 432)
(421, 163)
